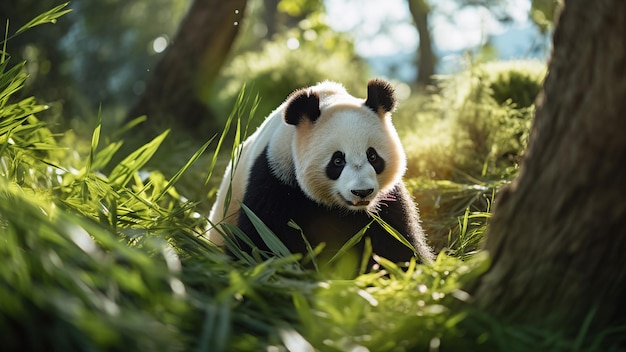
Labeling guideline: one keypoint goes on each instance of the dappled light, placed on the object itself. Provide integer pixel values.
(119, 121)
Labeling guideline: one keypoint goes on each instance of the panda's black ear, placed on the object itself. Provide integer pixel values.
(380, 96)
(302, 104)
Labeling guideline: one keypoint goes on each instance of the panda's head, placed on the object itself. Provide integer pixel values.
(346, 152)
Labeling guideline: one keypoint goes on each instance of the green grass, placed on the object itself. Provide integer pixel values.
(116, 260)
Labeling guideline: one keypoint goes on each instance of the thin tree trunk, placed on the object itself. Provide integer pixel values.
(191, 63)
(558, 234)
(426, 58)
(270, 17)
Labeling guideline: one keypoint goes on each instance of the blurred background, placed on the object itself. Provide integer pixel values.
(101, 56)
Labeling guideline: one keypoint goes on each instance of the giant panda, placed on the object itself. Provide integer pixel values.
(325, 160)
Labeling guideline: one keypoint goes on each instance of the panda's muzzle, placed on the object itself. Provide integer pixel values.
(361, 193)
(362, 203)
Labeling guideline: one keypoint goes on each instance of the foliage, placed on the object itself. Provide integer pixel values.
(478, 123)
(38, 46)
(297, 8)
(464, 142)
(297, 58)
(99, 54)
(115, 260)
(543, 13)
(371, 311)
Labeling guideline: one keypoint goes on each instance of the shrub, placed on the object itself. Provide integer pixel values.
(463, 142)
(276, 70)
(476, 125)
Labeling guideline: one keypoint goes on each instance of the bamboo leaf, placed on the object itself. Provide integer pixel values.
(128, 126)
(393, 232)
(216, 327)
(272, 241)
(124, 171)
(351, 242)
(4, 44)
(95, 139)
(180, 172)
(228, 232)
(310, 252)
(105, 155)
(223, 135)
(49, 16)
(390, 266)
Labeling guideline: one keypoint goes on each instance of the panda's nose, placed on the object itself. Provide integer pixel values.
(362, 192)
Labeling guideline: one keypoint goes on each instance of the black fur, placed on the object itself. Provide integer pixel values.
(380, 96)
(275, 203)
(375, 160)
(302, 104)
(335, 165)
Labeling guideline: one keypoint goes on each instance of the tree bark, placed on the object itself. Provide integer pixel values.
(426, 58)
(189, 65)
(270, 17)
(558, 234)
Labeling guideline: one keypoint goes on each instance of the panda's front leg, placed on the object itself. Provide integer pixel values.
(399, 211)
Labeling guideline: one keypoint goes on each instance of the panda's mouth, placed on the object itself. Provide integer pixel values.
(356, 203)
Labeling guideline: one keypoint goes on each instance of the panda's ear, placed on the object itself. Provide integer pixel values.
(303, 104)
(380, 96)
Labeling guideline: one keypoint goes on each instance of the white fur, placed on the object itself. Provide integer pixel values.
(345, 125)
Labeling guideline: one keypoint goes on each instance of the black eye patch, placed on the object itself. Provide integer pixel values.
(375, 160)
(335, 165)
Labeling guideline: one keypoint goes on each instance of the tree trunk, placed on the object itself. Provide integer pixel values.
(426, 58)
(270, 17)
(558, 235)
(189, 65)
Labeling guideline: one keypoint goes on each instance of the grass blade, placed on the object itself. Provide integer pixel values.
(229, 232)
(216, 327)
(180, 172)
(4, 43)
(128, 126)
(274, 244)
(49, 16)
(103, 157)
(227, 125)
(310, 252)
(124, 171)
(95, 140)
(351, 242)
(392, 231)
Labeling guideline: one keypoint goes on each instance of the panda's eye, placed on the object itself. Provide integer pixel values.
(375, 160)
(335, 165)
(339, 159)
(371, 155)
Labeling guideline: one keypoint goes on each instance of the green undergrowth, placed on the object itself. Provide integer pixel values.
(464, 140)
(116, 260)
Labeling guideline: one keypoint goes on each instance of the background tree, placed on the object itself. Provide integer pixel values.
(558, 238)
(113, 43)
(281, 15)
(98, 55)
(421, 12)
(426, 58)
(192, 62)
